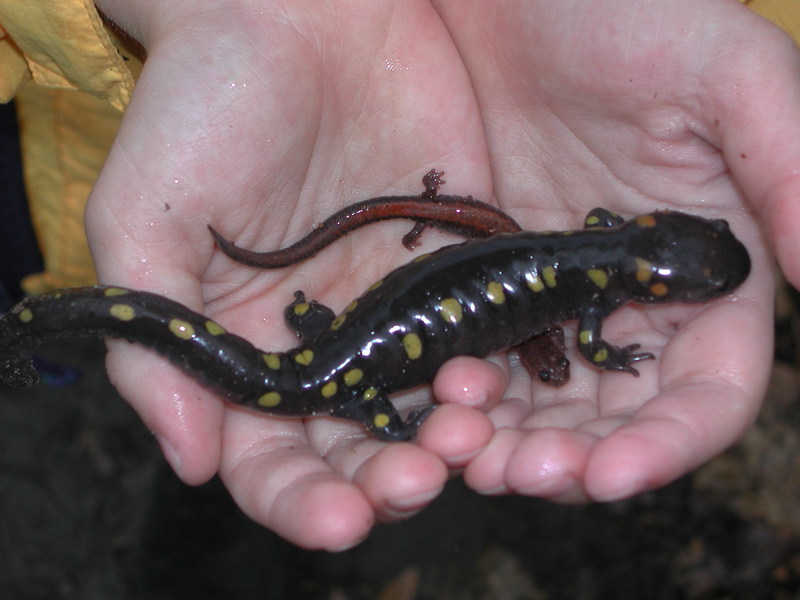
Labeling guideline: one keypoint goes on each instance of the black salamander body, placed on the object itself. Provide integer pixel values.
(474, 298)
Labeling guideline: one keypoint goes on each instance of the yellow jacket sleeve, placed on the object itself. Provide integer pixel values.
(784, 13)
(63, 46)
(60, 44)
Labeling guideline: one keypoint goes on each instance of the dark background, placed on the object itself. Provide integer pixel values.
(89, 509)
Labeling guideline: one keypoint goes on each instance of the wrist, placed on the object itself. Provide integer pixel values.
(129, 16)
(145, 20)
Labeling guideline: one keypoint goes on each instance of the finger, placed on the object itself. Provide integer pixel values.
(654, 450)
(710, 396)
(467, 387)
(326, 494)
(282, 483)
(546, 463)
(455, 434)
(185, 418)
(400, 479)
(471, 382)
(759, 126)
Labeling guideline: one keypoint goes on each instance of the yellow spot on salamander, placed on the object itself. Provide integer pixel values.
(585, 336)
(269, 400)
(450, 311)
(600, 356)
(598, 277)
(644, 270)
(422, 257)
(495, 292)
(181, 329)
(351, 307)
(26, 316)
(329, 389)
(214, 328)
(301, 309)
(412, 345)
(646, 221)
(375, 285)
(338, 322)
(549, 276)
(659, 289)
(534, 282)
(304, 357)
(273, 361)
(381, 420)
(370, 393)
(114, 291)
(592, 221)
(123, 312)
(353, 376)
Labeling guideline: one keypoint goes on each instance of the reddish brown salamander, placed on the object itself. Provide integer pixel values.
(462, 215)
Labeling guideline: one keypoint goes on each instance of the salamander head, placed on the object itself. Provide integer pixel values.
(676, 257)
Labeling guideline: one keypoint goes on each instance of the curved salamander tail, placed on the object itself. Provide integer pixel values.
(223, 362)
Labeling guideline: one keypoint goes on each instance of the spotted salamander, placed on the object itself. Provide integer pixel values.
(474, 298)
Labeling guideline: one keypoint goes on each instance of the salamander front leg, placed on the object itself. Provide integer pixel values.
(602, 354)
(602, 217)
(373, 409)
(308, 318)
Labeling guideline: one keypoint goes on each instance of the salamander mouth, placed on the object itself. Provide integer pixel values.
(726, 279)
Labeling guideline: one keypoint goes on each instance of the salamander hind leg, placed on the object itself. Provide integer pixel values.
(432, 180)
(373, 409)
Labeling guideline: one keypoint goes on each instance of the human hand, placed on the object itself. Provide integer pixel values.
(263, 123)
(635, 106)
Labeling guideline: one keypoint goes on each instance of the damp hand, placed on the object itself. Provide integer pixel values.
(262, 120)
(635, 107)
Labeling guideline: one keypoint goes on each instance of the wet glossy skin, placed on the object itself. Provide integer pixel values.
(462, 215)
(542, 355)
(475, 298)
